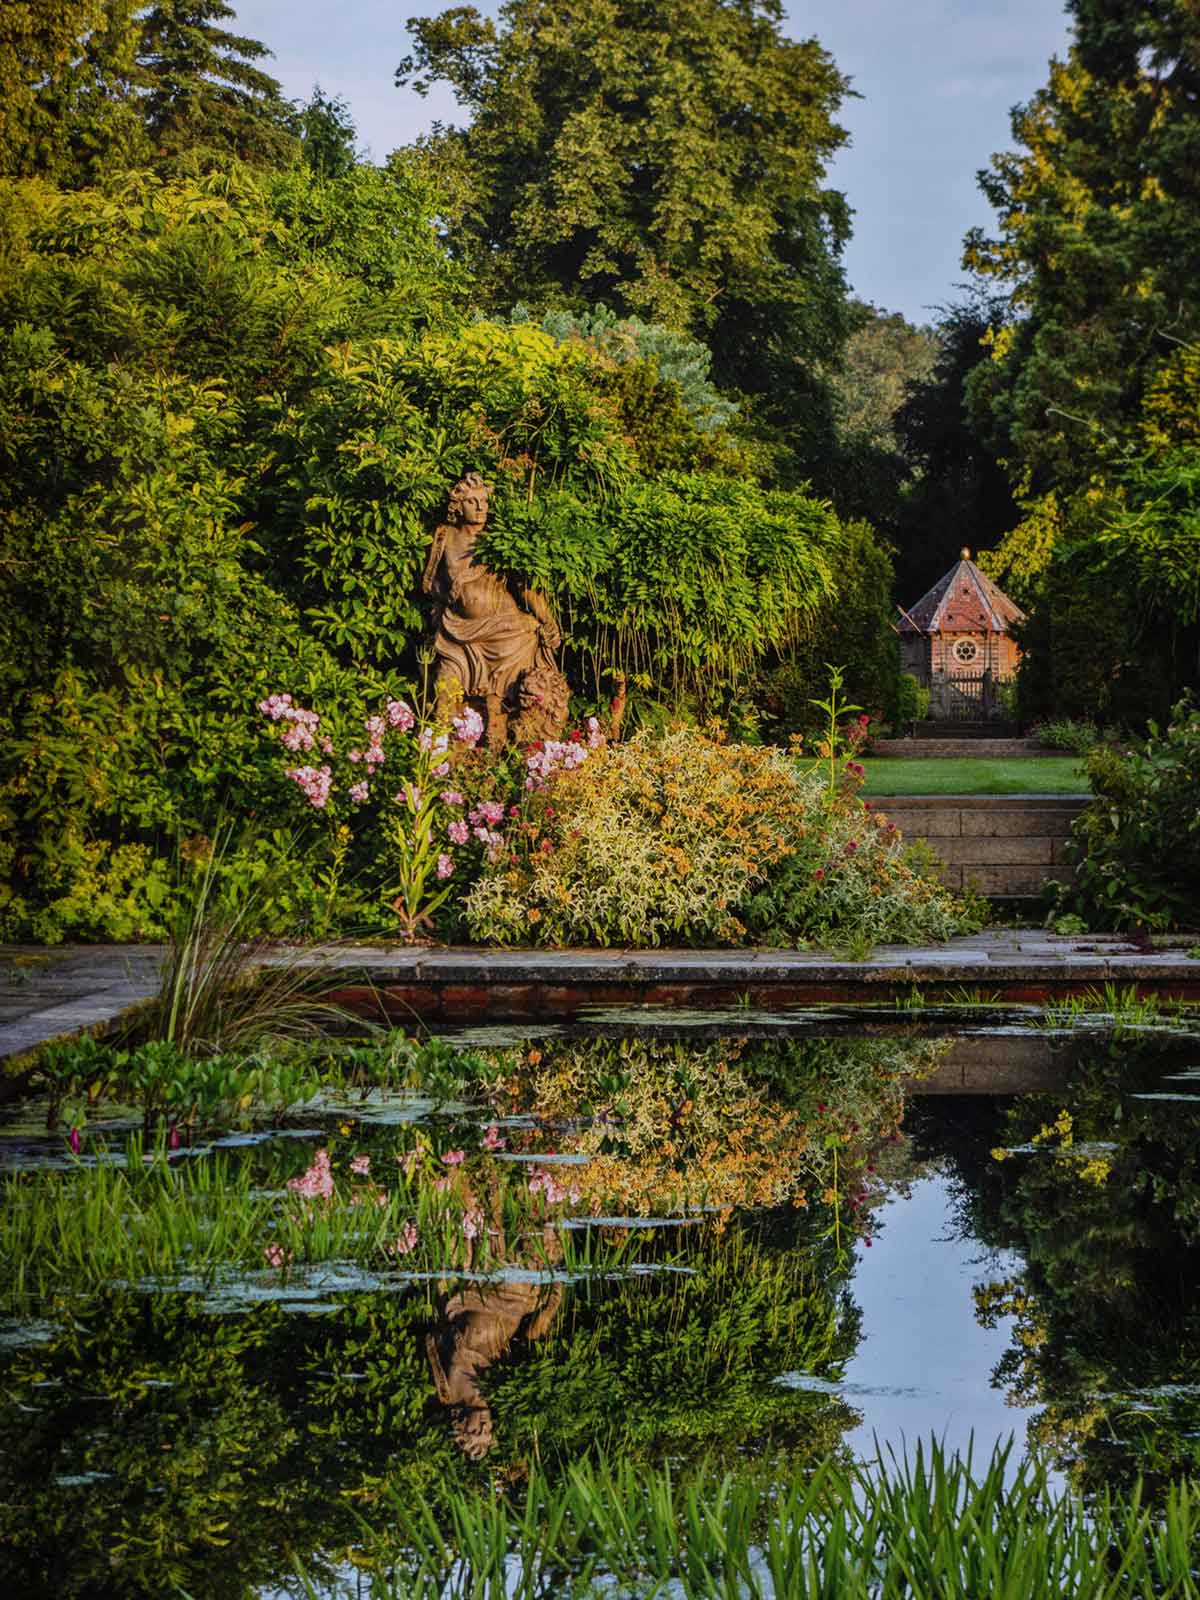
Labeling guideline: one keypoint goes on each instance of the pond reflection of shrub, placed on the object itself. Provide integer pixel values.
(1102, 1199)
(665, 1125)
(149, 1442)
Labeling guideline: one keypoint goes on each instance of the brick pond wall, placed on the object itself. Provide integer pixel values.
(1007, 846)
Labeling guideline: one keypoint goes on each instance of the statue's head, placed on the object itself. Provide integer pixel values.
(469, 500)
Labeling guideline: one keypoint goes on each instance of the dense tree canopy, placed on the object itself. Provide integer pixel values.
(231, 407)
(1090, 393)
(958, 492)
(104, 85)
(200, 85)
(666, 159)
(1099, 236)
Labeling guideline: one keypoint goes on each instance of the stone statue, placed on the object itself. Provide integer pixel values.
(496, 637)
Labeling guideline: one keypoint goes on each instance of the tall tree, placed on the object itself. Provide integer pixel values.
(1099, 238)
(958, 492)
(40, 44)
(327, 134)
(201, 87)
(883, 357)
(664, 157)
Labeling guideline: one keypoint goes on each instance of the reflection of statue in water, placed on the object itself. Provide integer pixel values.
(496, 637)
(475, 1329)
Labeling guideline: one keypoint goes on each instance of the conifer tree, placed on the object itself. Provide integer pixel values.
(202, 89)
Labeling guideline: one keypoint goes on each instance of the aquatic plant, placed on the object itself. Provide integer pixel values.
(84, 1077)
(902, 1530)
(222, 990)
(1117, 1009)
(135, 1216)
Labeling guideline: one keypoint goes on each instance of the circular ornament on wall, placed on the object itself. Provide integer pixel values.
(965, 651)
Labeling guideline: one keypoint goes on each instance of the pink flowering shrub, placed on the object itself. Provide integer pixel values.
(413, 802)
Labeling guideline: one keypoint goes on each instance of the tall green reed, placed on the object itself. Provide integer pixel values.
(927, 1528)
(222, 988)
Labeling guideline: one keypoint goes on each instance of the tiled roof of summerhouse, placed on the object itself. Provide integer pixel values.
(964, 601)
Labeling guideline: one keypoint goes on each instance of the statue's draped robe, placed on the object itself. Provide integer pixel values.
(485, 640)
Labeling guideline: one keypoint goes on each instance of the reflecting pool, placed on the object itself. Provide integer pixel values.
(724, 1239)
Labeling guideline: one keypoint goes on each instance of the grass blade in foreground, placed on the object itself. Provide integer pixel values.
(930, 1527)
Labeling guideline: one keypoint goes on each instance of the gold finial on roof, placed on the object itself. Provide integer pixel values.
(965, 553)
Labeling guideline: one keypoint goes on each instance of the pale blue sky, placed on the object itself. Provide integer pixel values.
(937, 80)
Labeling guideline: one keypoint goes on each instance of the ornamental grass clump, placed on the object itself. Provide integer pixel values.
(688, 838)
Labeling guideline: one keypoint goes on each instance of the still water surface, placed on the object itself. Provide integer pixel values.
(676, 1247)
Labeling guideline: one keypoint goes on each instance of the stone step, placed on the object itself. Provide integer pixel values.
(974, 749)
(1007, 847)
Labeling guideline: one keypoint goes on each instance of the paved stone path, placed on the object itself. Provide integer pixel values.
(47, 994)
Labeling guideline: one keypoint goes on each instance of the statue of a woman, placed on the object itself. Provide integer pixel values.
(496, 637)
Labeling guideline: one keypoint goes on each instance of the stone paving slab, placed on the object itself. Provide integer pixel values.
(50, 994)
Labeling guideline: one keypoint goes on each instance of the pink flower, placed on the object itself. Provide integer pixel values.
(406, 1239)
(400, 715)
(493, 1139)
(595, 737)
(544, 1182)
(454, 1158)
(458, 832)
(318, 1180)
(551, 756)
(440, 1185)
(819, 874)
(361, 1165)
(411, 796)
(852, 847)
(451, 797)
(74, 1141)
(445, 865)
(473, 1223)
(408, 1162)
(275, 706)
(437, 743)
(297, 737)
(468, 727)
(315, 783)
(442, 768)
(354, 755)
(359, 791)
(276, 1256)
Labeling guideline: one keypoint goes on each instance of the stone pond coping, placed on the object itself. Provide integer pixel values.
(50, 994)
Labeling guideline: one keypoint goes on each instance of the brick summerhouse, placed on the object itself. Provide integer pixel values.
(955, 642)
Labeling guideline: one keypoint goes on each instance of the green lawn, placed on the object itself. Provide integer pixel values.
(970, 775)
